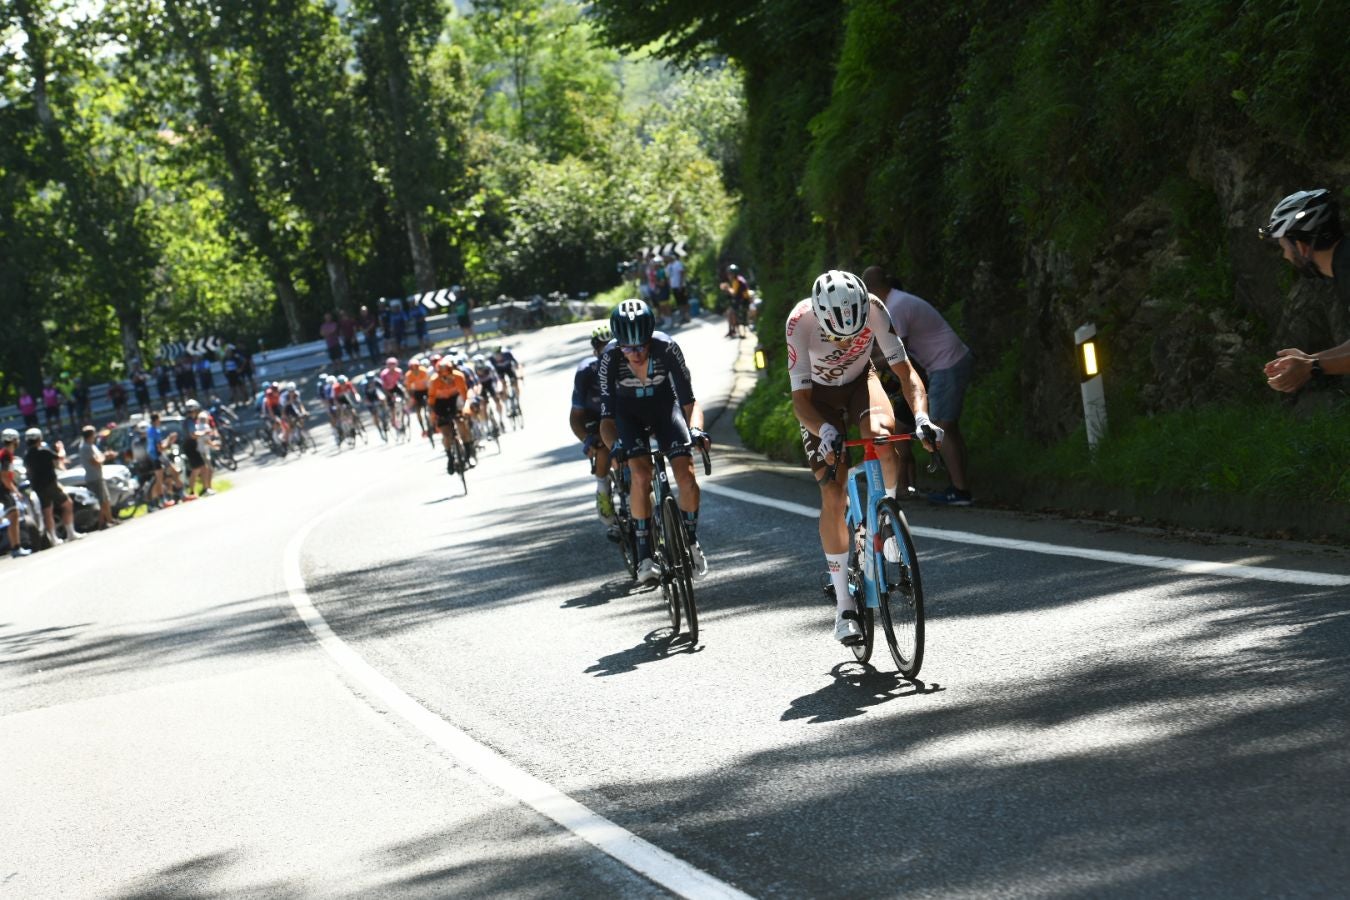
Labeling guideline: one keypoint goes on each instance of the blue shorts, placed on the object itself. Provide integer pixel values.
(947, 390)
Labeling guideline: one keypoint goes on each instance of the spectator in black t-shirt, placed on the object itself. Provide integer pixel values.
(1307, 226)
(43, 462)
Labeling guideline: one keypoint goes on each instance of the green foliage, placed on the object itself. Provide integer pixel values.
(766, 422)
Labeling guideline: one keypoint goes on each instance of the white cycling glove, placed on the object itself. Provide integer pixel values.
(924, 424)
(828, 435)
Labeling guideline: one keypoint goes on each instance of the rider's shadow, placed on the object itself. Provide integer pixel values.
(851, 692)
(655, 646)
(597, 597)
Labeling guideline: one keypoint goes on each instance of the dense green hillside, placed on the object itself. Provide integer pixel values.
(1029, 167)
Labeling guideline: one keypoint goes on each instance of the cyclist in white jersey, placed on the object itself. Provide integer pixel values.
(829, 342)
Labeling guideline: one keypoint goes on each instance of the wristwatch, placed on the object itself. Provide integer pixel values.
(1317, 368)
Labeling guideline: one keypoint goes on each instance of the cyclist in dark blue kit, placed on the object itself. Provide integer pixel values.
(645, 389)
(585, 419)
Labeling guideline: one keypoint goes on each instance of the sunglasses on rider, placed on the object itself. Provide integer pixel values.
(632, 349)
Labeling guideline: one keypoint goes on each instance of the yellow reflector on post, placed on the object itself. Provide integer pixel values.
(760, 359)
(1090, 358)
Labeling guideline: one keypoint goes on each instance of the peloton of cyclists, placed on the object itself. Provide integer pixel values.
(584, 419)
(644, 388)
(830, 338)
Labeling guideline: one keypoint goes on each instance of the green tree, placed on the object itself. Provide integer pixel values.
(417, 99)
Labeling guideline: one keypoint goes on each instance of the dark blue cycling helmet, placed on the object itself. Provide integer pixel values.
(632, 323)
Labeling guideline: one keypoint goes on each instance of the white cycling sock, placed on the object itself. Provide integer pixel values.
(892, 492)
(837, 565)
(600, 483)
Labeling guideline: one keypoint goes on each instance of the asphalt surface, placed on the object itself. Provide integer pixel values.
(170, 728)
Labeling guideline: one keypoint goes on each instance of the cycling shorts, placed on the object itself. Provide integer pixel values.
(664, 420)
(446, 408)
(845, 405)
(419, 398)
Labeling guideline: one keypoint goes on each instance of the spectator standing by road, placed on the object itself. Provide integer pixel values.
(233, 377)
(738, 289)
(92, 458)
(369, 326)
(140, 385)
(246, 372)
(28, 408)
(398, 325)
(932, 343)
(329, 332)
(80, 395)
(164, 382)
(9, 491)
(43, 461)
(1307, 227)
(184, 379)
(206, 379)
(196, 440)
(117, 396)
(678, 289)
(347, 332)
(464, 315)
(51, 402)
(418, 313)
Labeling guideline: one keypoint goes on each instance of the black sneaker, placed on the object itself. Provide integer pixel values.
(950, 497)
(450, 465)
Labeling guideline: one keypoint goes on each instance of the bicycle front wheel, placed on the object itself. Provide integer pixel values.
(681, 562)
(900, 587)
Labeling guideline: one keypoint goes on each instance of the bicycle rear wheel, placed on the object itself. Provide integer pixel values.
(681, 563)
(901, 589)
(862, 651)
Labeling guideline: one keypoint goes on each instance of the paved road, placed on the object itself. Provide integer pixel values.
(171, 727)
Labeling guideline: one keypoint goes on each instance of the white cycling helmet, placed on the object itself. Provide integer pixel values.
(33, 435)
(1309, 216)
(840, 303)
(9, 436)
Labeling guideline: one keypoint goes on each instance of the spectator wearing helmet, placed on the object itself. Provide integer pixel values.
(830, 338)
(42, 462)
(206, 440)
(645, 389)
(931, 343)
(9, 491)
(195, 442)
(584, 419)
(1307, 227)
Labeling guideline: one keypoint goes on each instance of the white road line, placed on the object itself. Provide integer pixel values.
(1186, 566)
(669, 872)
